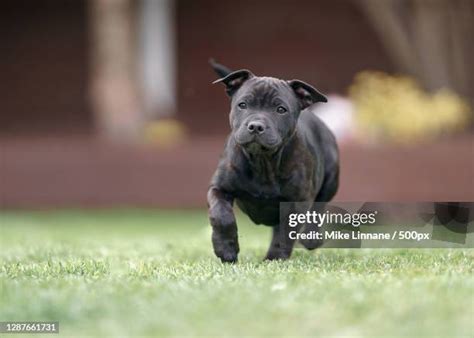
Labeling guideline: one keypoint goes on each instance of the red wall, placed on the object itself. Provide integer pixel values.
(43, 67)
(44, 58)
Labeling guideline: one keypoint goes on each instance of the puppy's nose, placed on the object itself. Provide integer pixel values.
(256, 127)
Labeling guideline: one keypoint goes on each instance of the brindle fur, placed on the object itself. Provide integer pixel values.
(294, 160)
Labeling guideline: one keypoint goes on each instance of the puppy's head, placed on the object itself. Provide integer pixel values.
(265, 110)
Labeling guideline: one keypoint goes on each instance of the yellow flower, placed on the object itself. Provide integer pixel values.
(164, 132)
(396, 108)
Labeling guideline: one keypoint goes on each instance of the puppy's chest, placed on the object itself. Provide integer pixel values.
(259, 195)
(270, 186)
(262, 206)
(253, 187)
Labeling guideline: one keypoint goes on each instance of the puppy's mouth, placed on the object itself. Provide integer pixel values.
(255, 145)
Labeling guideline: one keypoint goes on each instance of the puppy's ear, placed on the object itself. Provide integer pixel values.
(221, 70)
(234, 80)
(306, 93)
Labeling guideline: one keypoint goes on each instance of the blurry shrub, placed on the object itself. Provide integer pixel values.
(164, 132)
(396, 108)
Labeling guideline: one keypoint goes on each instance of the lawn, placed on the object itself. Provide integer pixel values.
(153, 273)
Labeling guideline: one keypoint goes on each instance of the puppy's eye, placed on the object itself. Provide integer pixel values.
(242, 105)
(281, 110)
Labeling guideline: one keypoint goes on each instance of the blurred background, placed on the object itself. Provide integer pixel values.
(109, 103)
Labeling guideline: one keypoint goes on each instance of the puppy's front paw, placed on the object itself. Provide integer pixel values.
(226, 249)
(228, 257)
(277, 254)
(312, 243)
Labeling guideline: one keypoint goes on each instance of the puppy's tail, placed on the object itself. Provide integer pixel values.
(221, 71)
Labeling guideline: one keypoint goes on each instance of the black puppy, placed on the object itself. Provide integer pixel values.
(277, 152)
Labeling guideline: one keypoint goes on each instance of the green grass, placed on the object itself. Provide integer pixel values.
(153, 273)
